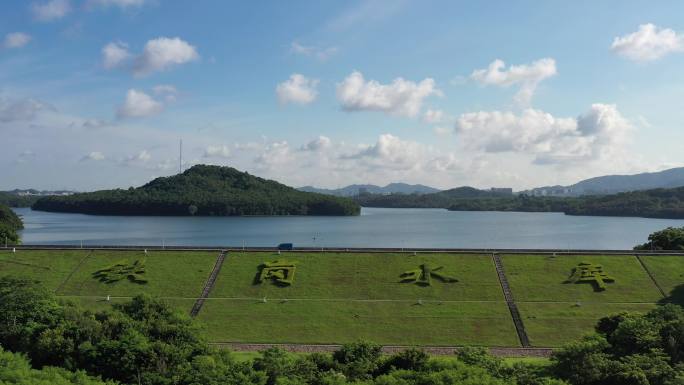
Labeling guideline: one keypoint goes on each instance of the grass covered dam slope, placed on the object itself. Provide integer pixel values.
(202, 190)
(429, 299)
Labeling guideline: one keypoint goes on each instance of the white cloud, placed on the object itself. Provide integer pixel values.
(20, 109)
(274, 154)
(597, 134)
(139, 104)
(319, 144)
(297, 89)
(16, 40)
(320, 53)
(401, 97)
(433, 116)
(217, 152)
(167, 91)
(141, 157)
(163, 53)
(51, 10)
(115, 55)
(93, 156)
(648, 43)
(391, 152)
(443, 131)
(117, 3)
(528, 76)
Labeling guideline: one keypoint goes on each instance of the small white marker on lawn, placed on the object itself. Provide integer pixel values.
(108, 298)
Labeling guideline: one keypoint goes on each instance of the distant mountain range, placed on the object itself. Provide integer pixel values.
(611, 184)
(356, 189)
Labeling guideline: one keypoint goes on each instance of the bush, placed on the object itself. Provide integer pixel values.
(671, 238)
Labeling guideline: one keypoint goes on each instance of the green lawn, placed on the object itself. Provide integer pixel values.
(553, 324)
(51, 268)
(668, 271)
(169, 274)
(316, 321)
(541, 278)
(360, 276)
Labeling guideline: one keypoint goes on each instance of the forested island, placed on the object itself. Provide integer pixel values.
(655, 203)
(202, 190)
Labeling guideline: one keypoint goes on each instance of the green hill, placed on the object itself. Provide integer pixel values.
(439, 199)
(202, 190)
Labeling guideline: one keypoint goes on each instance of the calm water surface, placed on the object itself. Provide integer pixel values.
(375, 227)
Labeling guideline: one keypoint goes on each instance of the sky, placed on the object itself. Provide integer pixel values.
(99, 93)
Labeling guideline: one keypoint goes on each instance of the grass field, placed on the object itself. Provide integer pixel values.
(668, 271)
(553, 324)
(542, 277)
(342, 297)
(361, 276)
(317, 321)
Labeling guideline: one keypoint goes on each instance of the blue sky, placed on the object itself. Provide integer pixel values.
(97, 93)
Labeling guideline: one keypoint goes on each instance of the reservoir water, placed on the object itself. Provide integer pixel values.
(375, 227)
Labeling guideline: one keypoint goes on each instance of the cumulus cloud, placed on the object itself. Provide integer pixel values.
(320, 53)
(137, 159)
(167, 91)
(16, 40)
(391, 152)
(115, 55)
(433, 116)
(163, 53)
(139, 104)
(401, 97)
(51, 10)
(596, 134)
(274, 154)
(217, 152)
(297, 89)
(319, 144)
(648, 43)
(528, 76)
(93, 156)
(20, 109)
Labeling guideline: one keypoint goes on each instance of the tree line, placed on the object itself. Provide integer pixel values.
(656, 203)
(202, 190)
(10, 224)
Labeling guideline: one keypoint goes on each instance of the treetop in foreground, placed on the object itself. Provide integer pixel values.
(202, 190)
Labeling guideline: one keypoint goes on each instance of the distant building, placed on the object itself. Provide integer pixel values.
(502, 190)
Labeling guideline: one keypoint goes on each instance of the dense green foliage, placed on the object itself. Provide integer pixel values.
(656, 203)
(10, 223)
(628, 349)
(202, 190)
(671, 238)
(14, 200)
(16, 369)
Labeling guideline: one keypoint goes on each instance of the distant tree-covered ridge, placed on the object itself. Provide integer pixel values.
(656, 203)
(14, 200)
(10, 223)
(202, 190)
